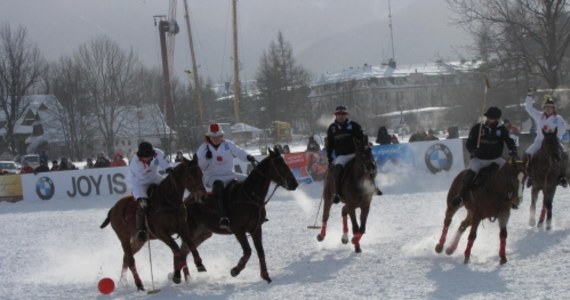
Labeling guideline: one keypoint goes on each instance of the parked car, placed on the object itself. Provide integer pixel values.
(32, 159)
(9, 167)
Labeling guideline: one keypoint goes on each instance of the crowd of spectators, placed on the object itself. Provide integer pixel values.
(63, 163)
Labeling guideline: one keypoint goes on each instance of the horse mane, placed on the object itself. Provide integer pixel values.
(170, 191)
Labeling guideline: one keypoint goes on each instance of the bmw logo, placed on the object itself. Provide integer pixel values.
(45, 188)
(438, 157)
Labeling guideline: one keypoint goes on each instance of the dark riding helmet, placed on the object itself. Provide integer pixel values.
(145, 150)
(493, 113)
(341, 110)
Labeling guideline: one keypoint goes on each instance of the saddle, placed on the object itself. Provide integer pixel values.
(483, 175)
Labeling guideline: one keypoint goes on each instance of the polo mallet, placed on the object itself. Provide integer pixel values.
(153, 291)
(315, 226)
(487, 86)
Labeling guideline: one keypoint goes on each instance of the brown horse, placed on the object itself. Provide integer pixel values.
(357, 189)
(544, 169)
(495, 191)
(166, 217)
(246, 209)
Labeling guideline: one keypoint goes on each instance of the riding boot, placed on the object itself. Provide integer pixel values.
(465, 186)
(218, 191)
(527, 159)
(142, 209)
(563, 166)
(337, 174)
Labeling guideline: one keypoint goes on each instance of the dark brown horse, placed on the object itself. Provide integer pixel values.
(357, 189)
(495, 191)
(246, 209)
(166, 217)
(544, 169)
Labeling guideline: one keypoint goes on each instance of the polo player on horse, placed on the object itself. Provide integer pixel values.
(340, 146)
(548, 120)
(485, 143)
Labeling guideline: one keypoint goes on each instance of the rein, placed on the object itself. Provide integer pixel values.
(277, 185)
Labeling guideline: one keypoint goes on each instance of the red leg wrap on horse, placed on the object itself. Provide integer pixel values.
(502, 251)
(356, 239)
(468, 249)
(542, 214)
(443, 235)
(324, 229)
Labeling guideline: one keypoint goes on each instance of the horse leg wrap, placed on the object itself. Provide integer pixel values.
(179, 263)
(468, 250)
(323, 231)
(442, 237)
(502, 250)
(455, 242)
(542, 215)
(356, 239)
(344, 224)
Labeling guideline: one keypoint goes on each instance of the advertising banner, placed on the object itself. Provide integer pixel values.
(76, 184)
(10, 188)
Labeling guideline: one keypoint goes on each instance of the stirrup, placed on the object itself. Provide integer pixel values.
(141, 236)
(563, 182)
(336, 198)
(224, 223)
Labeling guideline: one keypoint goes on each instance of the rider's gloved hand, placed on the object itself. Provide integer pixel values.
(514, 155)
(252, 160)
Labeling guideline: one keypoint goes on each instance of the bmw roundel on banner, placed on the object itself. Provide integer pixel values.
(45, 189)
(438, 157)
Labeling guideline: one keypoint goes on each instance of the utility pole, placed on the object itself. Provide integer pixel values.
(163, 28)
(237, 84)
(392, 62)
(197, 93)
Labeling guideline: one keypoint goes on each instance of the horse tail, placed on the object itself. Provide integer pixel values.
(107, 220)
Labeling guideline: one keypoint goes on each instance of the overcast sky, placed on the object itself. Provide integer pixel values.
(326, 35)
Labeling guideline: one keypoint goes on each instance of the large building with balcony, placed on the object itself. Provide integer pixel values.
(375, 94)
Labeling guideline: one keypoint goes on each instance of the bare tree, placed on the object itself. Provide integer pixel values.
(21, 69)
(110, 75)
(67, 84)
(520, 36)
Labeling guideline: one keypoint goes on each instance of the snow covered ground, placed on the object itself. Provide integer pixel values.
(55, 250)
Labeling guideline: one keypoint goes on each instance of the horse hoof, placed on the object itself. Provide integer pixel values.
(266, 278)
(466, 261)
(358, 250)
(234, 272)
(140, 288)
(320, 238)
(344, 239)
(438, 248)
(176, 279)
(540, 223)
(503, 260)
(449, 251)
(201, 268)
(532, 222)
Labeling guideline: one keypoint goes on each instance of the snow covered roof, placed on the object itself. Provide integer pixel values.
(242, 127)
(131, 121)
(386, 71)
(412, 111)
